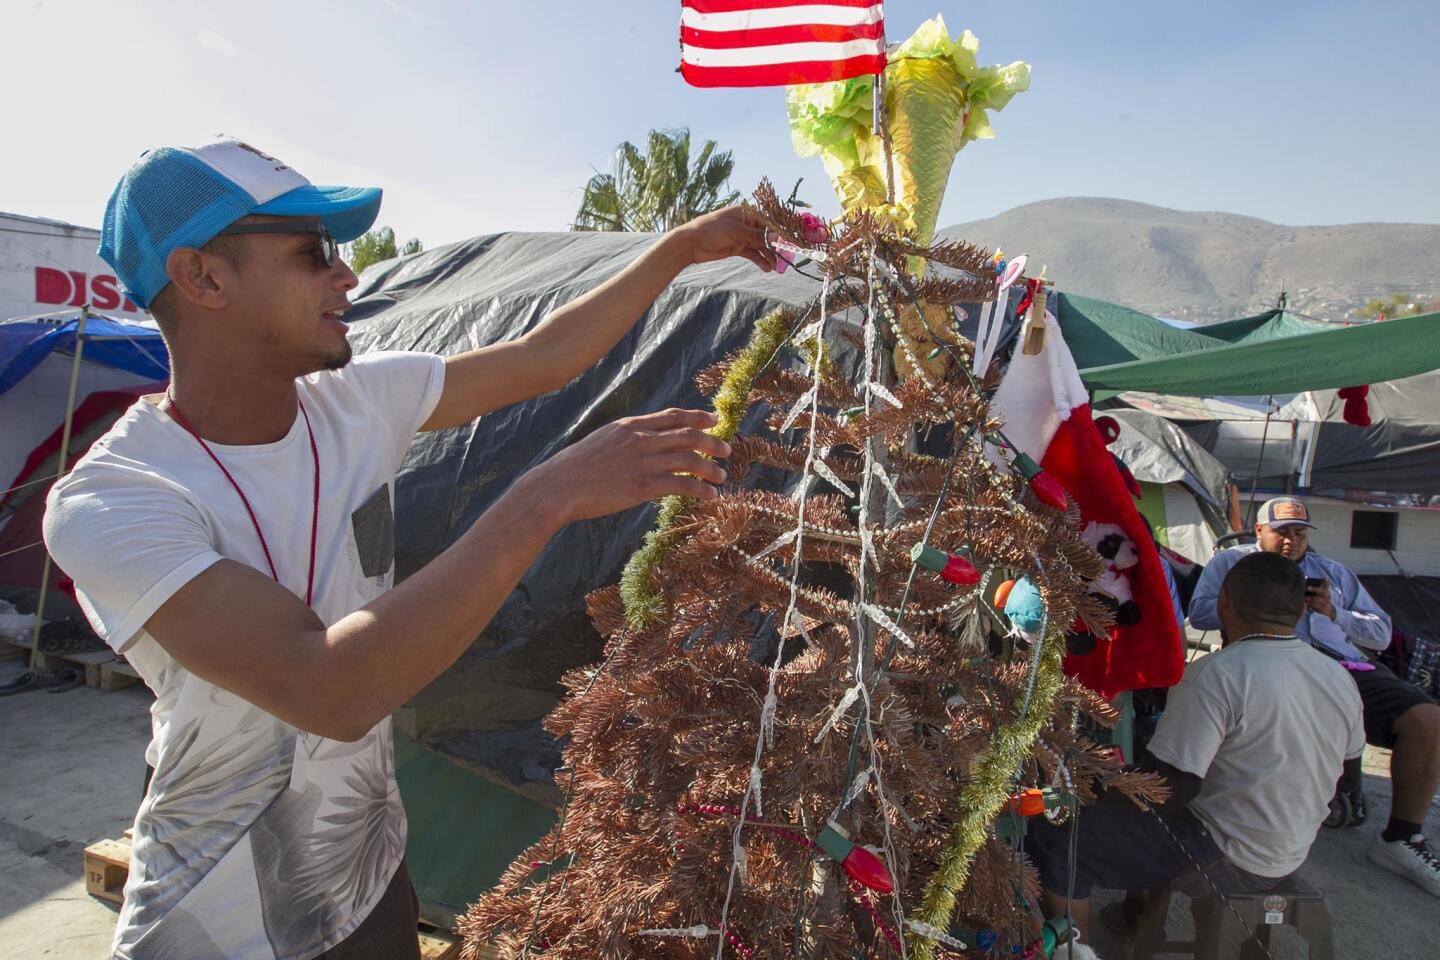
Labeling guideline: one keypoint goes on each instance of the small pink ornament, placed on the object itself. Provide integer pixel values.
(813, 229)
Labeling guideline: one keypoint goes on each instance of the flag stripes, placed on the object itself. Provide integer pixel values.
(752, 43)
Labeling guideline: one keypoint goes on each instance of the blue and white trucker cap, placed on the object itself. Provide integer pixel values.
(183, 196)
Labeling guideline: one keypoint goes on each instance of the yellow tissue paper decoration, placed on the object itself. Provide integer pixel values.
(936, 100)
(922, 338)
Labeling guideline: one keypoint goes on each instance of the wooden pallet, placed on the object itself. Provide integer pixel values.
(437, 944)
(103, 670)
(107, 866)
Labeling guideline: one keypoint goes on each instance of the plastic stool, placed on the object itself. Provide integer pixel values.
(1293, 902)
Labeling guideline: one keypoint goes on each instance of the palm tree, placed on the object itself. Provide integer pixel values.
(652, 192)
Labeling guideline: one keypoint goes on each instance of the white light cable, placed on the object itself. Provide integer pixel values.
(767, 714)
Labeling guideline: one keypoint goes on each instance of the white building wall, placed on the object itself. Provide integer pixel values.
(51, 267)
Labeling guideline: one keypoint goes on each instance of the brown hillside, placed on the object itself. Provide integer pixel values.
(1212, 266)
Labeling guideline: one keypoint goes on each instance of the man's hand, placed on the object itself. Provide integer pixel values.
(575, 336)
(237, 628)
(737, 231)
(1318, 599)
(631, 461)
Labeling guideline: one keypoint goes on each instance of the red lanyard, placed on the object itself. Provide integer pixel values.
(314, 516)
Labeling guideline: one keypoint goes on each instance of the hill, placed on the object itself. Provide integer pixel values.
(1212, 266)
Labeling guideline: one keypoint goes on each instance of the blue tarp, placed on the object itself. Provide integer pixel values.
(126, 346)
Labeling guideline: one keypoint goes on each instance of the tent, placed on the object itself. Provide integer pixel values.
(1274, 352)
(1309, 448)
(1187, 495)
(1296, 439)
(117, 362)
(485, 712)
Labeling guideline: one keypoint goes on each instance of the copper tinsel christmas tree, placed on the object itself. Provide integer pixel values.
(810, 720)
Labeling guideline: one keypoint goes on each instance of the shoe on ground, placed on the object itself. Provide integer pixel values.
(1413, 859)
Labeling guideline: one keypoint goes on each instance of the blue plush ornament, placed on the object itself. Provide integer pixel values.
(1025, 608)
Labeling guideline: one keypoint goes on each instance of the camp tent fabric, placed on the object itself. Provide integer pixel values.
(22, 506)
(1308, 447)
(1157, 451)
(1185, 491)
(1412, 602)
(1175, 513)
(451, 861)
(1121, 349)
(1399, 453)
(113, 343)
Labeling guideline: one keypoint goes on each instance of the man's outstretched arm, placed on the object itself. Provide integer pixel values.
(237, 628)
(574, 337)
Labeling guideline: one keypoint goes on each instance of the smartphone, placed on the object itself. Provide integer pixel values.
(1314, 582)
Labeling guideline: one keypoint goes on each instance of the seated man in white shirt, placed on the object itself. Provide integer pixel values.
(1342, 621)
(1247, 747)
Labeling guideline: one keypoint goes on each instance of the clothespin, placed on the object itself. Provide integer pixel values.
(1033, 336)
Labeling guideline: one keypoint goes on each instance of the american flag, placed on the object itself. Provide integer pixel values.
(767, 43)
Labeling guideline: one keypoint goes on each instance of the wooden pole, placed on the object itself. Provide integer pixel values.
(60, 472)
(882, 128)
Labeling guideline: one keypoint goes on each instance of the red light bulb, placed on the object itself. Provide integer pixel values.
(859, 864)
(1048, 489)
(1028, 803)
(868, 870)
(951, 567)
(1044, 486)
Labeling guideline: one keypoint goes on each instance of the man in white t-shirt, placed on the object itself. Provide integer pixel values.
(1248, 749)
(1345, 623)
(234, 539)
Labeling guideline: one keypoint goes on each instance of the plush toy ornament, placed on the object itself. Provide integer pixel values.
(1025, 609)
(1120, 555)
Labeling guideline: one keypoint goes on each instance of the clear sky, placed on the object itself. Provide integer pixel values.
(478, 115)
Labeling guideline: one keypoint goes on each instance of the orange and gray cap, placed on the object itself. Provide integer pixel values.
(1284, 512)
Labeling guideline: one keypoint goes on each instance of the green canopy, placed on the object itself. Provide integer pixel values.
(1118, 349)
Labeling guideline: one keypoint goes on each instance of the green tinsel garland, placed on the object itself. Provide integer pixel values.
(643, 602)
(981, 800)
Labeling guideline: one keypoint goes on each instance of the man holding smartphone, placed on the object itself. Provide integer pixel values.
(1343, 621)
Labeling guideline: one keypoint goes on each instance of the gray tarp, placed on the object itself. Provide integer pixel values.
(485, 711)
(1412, 602)
(1396, 457)
(1398, 453)
(1157, 451)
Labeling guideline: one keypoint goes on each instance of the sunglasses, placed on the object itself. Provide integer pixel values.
(329, 249)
